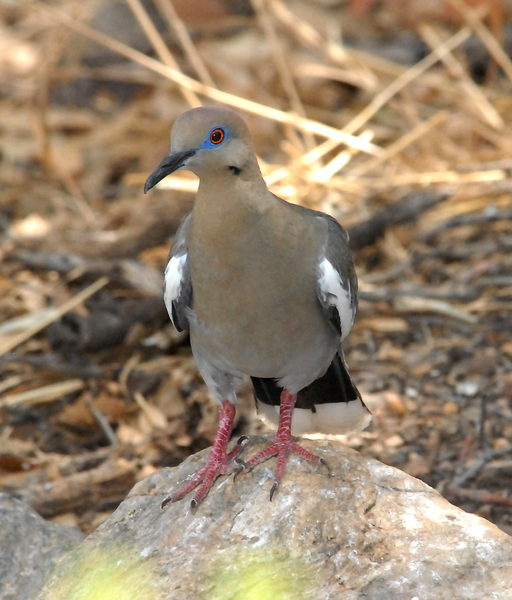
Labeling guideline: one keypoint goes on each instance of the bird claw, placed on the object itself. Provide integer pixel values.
(240, 468)
(166, 502)
(242, 441)
(273, 489)
(219, 462)
(241, 464)
(325, 464)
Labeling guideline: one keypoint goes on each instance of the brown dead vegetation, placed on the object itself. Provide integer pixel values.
(413, 156)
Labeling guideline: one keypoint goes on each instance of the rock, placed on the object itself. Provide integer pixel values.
(29, 548)
(368, 531)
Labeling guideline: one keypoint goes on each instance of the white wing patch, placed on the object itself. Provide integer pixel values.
(334, 293)
(173, 278)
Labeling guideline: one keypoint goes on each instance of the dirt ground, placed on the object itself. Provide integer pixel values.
(393, 117)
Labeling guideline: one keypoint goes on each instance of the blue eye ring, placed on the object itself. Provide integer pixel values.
(217, 136)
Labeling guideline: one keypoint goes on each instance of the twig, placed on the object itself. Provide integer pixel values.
(403, 77)
(306, 159)
(21, 323)
(400, 144)
(432, 305)
(407, 77)
(370, 291)
(10, 382)
(504, 164)
(488, 39)
(42, 395)
(478, 465)
(435, 177)
(180, 79)
(406, 210)
(83, 368)
(337, 53)
(53, 316)
(108, 323)
(130, 273)
(102, 486)
(326, 173)
(263, 14)
(488, 216)
(321, 71)
(483, 496)
(475, 96)
(155, 417)
(55, 48)
(169, 12)
(102, 422)
(160, 47)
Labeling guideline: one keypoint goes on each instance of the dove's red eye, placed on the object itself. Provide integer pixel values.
(217, 135)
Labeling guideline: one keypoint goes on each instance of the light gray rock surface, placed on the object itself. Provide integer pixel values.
(29, 548)
(368, 531)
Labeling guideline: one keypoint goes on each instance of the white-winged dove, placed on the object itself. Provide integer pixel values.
(266, 289)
